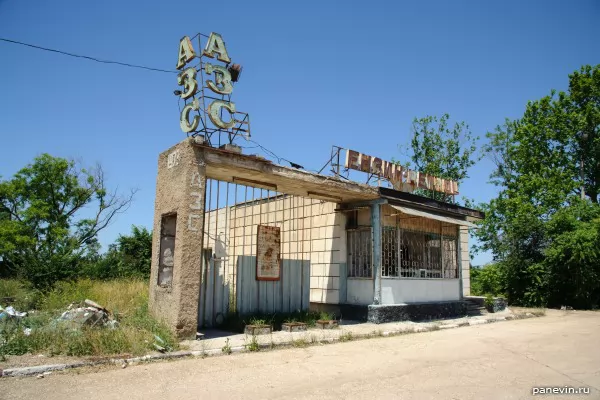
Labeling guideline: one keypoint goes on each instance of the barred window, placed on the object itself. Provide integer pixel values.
(420, 253)
(359, 253)
(389, 251)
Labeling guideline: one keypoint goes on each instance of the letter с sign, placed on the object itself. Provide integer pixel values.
(215, 47)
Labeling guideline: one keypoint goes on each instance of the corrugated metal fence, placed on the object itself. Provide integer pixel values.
(289, 294)
(233, 213)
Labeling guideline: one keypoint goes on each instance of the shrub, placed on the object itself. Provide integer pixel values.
(488, 279)
(24, 295)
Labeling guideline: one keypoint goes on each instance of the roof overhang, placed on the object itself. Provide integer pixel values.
(254, 171)
(429, 215)
(414, 201)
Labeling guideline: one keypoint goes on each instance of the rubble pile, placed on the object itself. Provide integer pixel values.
(10, 312)
(88, 314)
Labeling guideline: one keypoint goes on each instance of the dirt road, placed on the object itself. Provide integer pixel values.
(496, 361)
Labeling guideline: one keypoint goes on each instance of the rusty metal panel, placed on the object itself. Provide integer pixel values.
(268, 252)
(400, 177)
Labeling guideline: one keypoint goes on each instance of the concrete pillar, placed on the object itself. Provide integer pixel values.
(376, 226)
(464, 261)
(177, 237)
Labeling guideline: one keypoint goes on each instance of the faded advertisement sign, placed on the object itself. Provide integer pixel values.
(401, 177)
(268, 253)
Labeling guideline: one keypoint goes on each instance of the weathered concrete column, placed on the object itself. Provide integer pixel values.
(464, 261)
(376, 226)
(177, 237)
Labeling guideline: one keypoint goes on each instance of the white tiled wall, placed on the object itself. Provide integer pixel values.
(310, 230)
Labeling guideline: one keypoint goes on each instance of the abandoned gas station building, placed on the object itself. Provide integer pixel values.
(236, 233)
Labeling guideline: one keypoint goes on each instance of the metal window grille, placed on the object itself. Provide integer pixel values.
(359, 246)
(389, 251)
(419, 248)
(449, 257)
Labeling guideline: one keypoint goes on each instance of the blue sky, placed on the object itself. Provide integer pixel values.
(316, 73)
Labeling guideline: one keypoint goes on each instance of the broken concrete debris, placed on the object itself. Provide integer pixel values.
(89, 314)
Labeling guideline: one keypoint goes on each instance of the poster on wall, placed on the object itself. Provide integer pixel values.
(268, 253)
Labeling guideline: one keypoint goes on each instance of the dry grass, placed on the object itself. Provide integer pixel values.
(126, 299)
(122, 297)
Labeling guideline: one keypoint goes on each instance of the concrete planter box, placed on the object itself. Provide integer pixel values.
(327, 324)
(258, 329)
(499, 304)
(293, 327)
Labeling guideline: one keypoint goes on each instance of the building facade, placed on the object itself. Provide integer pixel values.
(239, 234)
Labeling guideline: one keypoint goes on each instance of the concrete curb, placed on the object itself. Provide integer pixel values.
(45, 369)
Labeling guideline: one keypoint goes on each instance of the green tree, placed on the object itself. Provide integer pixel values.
(486, 280)
(573, 256)
(50, 214)
(129, 257)
(546, 162)
(442, 149)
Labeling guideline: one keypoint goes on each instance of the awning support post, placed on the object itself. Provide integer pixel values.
(376, 251)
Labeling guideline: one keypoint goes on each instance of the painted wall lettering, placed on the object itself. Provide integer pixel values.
(194, 222)
(197, 201)
(173, 159)
(196, 180)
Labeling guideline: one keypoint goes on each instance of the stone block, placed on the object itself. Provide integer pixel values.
(293, 327)
(258, 329)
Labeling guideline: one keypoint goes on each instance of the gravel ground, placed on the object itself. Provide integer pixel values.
(492, 361)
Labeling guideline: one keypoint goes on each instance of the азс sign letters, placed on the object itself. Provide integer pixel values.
(218, 80)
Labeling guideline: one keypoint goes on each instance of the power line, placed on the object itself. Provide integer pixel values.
(279, 159)
(87, 57)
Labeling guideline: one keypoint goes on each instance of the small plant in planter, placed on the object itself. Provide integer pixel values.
(489, 303)
(291, 325)
(327, 321)
(258, 327)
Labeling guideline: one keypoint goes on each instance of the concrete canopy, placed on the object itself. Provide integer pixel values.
(254, 171)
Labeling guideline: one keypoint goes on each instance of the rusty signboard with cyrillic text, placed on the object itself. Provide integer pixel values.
(401, 177)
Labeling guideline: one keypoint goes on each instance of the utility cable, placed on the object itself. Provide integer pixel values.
(87, 57)
(269, 152)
